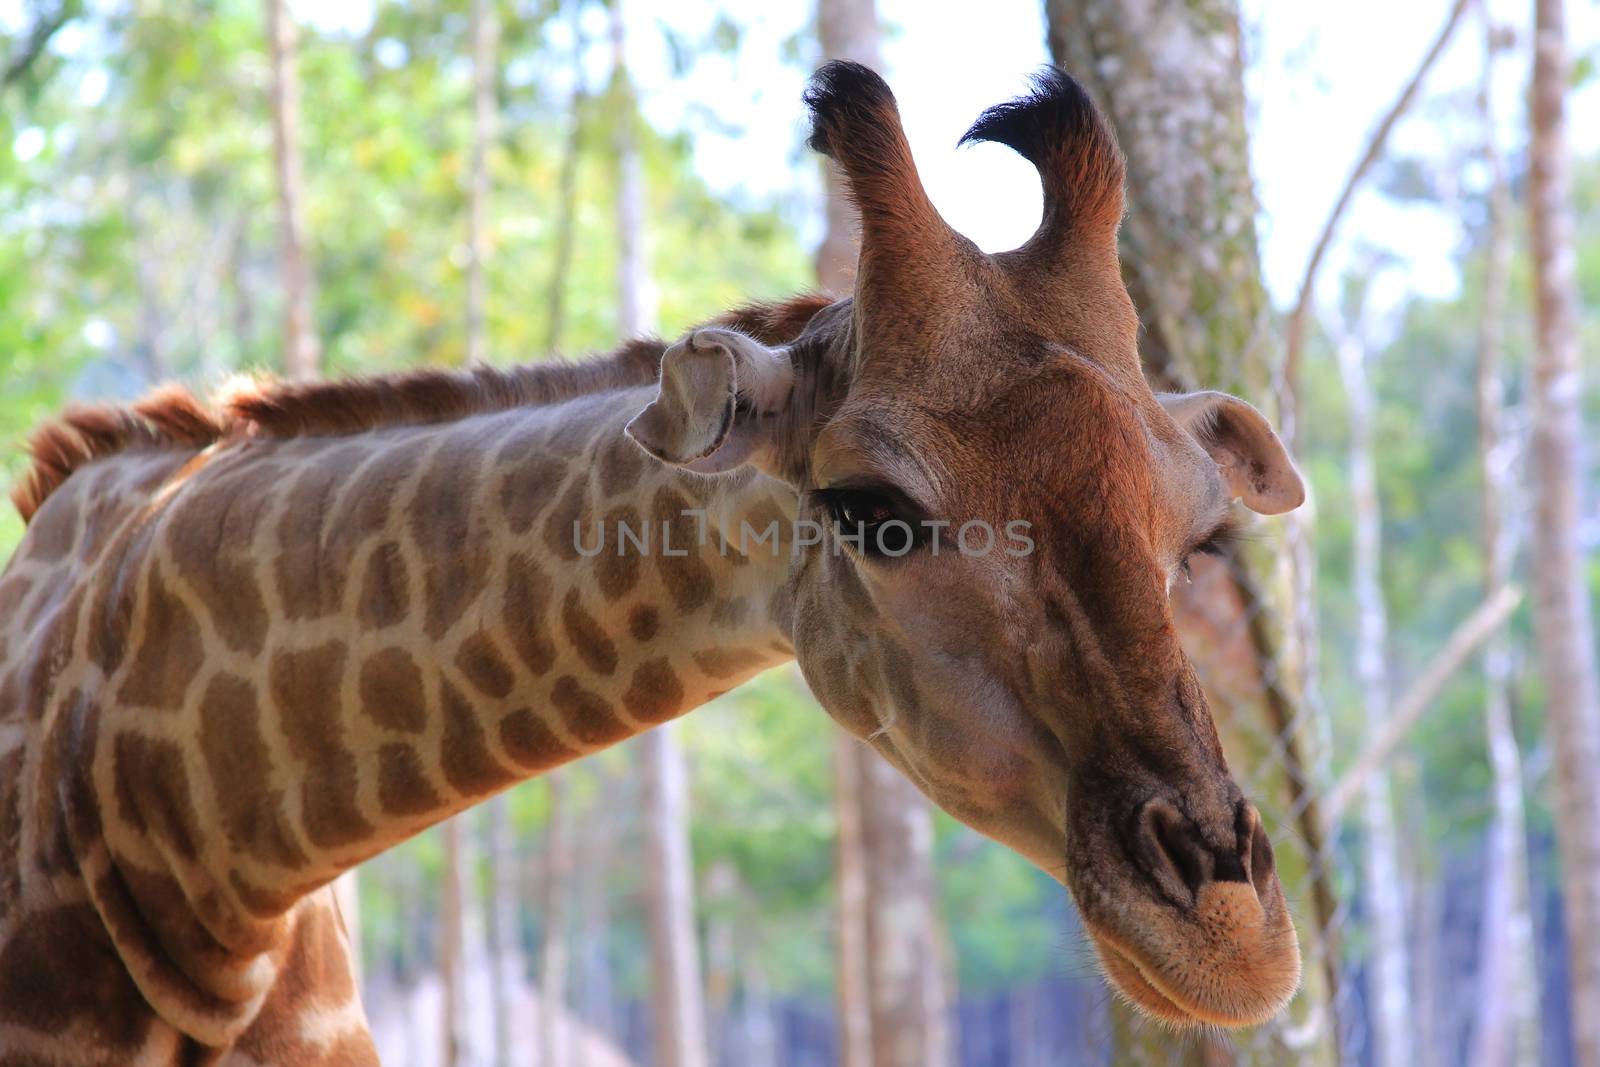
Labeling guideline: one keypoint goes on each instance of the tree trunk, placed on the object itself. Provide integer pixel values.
(460, 932)
(1170, 77)
(1561, 614)
(677, 999)
(1506, 1022)
(893, 1004)
(566, 212)
(636, 304)
(676, 1003)
(505, 950)
(485, 30)
(1389, 968)
(909, 1005)
(554, 1040)
(852, 966)
(593, 878)
(302, 354)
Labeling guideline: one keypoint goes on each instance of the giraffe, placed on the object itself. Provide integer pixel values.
(247, 644)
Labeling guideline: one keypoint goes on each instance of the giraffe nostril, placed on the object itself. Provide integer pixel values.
(1169, 849)
(1254, 859)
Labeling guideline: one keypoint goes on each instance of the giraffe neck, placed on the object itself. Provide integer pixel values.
(308, 649)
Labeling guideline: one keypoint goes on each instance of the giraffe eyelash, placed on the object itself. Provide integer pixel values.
(1222, 542)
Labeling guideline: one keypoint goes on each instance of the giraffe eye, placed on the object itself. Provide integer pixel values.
(877, 522)
(1220, 542)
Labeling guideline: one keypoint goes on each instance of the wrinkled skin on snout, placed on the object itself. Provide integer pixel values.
(1026, 675)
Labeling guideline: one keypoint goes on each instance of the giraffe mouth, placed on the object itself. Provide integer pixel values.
(1231, 978)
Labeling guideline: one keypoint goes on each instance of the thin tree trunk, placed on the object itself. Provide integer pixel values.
(892, 996)
(909, 1007)
(1169, 74)
(1382, 884)
(852, 966)
(567, 190)
(302, 353)
(485, 31)
(459, 932)
(555, 1041)
(1506, 1022)
(1561, 613)
(677, 998)
(505, 950)
(635, 292)
(594, 915)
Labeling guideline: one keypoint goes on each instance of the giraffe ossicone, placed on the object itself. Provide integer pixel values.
(243, 648)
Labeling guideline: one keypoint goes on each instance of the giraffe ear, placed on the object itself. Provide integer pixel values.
(719, 390)
(1255, 466)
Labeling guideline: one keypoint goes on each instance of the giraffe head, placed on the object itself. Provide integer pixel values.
(1006, 503)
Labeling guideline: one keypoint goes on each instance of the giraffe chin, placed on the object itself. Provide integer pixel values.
(1260, 958)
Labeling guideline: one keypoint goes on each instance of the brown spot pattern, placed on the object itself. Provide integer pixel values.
(169, 654)
(305, 687)
(464, 754)
(403, 787)
(392, 693)
(586, 715)
(53, 531)
(617, 566)
(211, 536)
(687, 578)
(10, 827)
(454, 548)
(529, 741)
(619, 466)
(152, 789)
(643, 622)
(527, 598)
(240, 765)
(570, 512)
(385, 591)
(482, 665)
(727, 662)
(655, 694)
(586, 637)
(59, 969)
(528, 487)
(310, 585)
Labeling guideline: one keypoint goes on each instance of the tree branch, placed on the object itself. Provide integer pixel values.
(34, 43)
(1408, 710)
(1376, 143)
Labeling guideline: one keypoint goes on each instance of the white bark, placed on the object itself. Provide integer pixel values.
(566, 210)
(505, 951)
(676, 997)
(302, 353)
(1561, 614)
(461, 932)
(1389, 979)
(485, 32)
(1506, 1022)
(555, 1050)
(636, 298)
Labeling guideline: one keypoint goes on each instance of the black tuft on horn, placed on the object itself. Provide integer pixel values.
(1057, 128)
(843, 95)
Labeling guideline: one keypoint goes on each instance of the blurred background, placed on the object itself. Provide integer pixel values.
(1357, 215)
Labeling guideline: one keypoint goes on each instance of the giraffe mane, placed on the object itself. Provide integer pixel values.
(171, 417)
